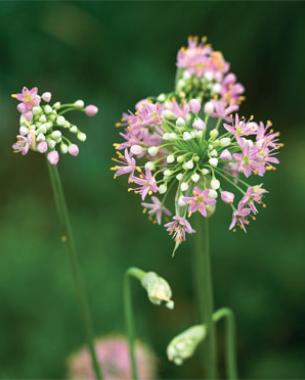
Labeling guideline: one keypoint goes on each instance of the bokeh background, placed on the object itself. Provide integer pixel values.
(113, 54)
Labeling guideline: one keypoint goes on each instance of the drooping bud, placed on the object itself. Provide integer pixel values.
(184, 345)
(158, 289)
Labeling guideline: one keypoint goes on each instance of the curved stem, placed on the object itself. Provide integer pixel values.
(204, 290)
(129, 316)
(67, 240)
(231, 362)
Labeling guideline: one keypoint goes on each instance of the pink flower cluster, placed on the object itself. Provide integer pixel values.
(197, 149)
(41, 125)
(205, 71)
(112, 353)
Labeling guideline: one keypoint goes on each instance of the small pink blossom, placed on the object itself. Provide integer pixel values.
(156, 209)
(240, 127)
(28, 99)
(179, 227)
(239, 217)
(128, 165)
(42, 147)
(53, 157)
(231, 90)
(226, 155)
(195, 105)
(91, 110)
(254, 194)
(222, 110)
(199, 201)
(23, 144)
(227, 196)
(147, 184)
(46, 96)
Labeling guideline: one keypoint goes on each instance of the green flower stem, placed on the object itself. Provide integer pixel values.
(129, 316)
(231, 363)
(67, 240)
(204, 290)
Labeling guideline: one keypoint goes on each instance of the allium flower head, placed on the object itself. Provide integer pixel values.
(112, 353)
(183, 345)
(43, 126)
(187, 154)
(204, 73)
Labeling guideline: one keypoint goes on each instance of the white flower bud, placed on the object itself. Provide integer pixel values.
(166, 136)
(180, 84)
(209, 75)
(51, 143)
(36, 110)
(60, 121)
(79, 103)
(170, 159)
(150, 165)
(67, 124)
(57, 105)
(225, 141)
(47, 109)
(187, 136)
(64, 148)
(172, 136)
(205, 171)
(195, 177)
(217, 88)
(213, 153)
(214, 133)
(181, 201)
(40, 137)
(56, 135)
(213, 194)
(74, 129)
(43, 119)
(167, 173)
(162, 189)
(213, 161)
(23, 130)
(188, 165)
(81, 136)
(161, 98)
(180, 159)
(209, 108)
(184, 345)
(215, 184)
(167, 114)
(180, 122)
(179, 176)
(153, 150)
(158, 289)
(184, 186)
(186, 75)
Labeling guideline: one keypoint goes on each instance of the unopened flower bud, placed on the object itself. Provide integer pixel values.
(170, 159)
(60, 121)
(168, 114)
(56, 135)
(153, 150)
(91, 110)
(181, 201)
(81, 136)
(213, 153)
(40, 137)
(162, 189)
(47, 109)
(213, 193)
(209, 108)
(199, 124)
(73, 129)
(213, 161)
(225, 141)
(188, 165)
(179, 176)
(167, 173)
(214, 133)
(184, 186)
(64, 148)
(36, 110)
(161, 98)
(158, 289)
(216, 88)
(227, 196)
(23, 130)
(180, 159)
(195, 105)
(184, 345)
(150, 165)
(136, 149)
(42, 147)
(51, 143)
(79, 103)
(180, 122)
(226, 155)
(46, 97)
(53, 157)
(195, 177)
(209, 75)
(205, 171)
(57, 105)
(73, 150)
(215, 184)
(187, 136)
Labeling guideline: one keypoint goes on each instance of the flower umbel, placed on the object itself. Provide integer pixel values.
(43, 126)
(193, 145)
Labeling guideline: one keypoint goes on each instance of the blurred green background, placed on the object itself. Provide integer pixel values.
(113, 54)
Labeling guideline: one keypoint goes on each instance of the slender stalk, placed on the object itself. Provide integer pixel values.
(204, 290)
(68, 241)
(129, 316)
(231, 362)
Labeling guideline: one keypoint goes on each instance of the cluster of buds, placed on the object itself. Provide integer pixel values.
(184, 345)
(43, 126)
(203, 73)
(200, 152)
